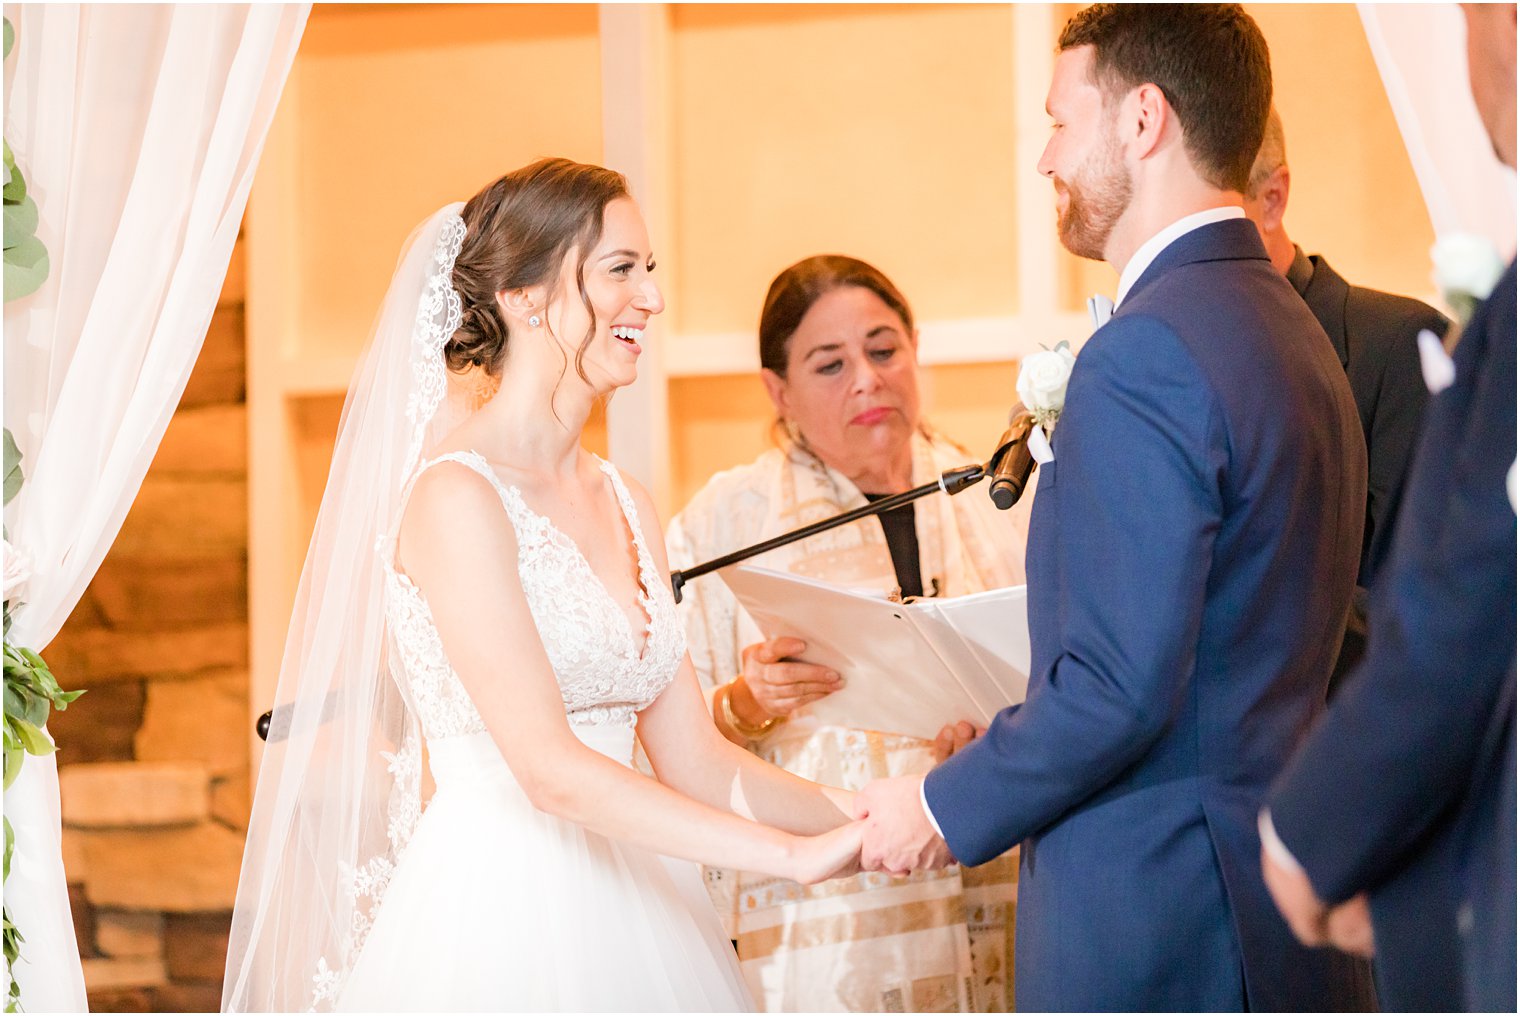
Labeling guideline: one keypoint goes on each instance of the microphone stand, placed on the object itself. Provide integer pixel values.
(952, 481)
(1009, 468)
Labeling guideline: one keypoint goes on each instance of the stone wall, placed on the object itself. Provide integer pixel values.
(153, 760)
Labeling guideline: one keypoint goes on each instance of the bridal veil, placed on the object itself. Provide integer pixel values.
(338, 789)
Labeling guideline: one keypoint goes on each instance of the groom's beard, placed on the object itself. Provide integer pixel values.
(1097, 195)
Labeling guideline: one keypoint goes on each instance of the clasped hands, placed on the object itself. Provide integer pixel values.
(896, 835)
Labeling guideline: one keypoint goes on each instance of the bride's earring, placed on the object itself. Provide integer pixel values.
(534, 320)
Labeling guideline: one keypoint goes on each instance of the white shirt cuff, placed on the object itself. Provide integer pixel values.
(1275, 847)
(923, 799)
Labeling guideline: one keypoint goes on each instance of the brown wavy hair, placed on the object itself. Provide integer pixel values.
(517, 233)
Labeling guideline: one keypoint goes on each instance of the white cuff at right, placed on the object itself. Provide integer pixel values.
(1275, 846)
(923, 799)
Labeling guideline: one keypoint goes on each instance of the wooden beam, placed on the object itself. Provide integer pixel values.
(637, 141)
(1034, 45)
(273, 232)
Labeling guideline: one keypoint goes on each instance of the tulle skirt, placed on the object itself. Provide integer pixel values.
(498, 906)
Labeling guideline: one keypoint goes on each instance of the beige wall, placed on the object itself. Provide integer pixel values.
(881, 131)
(398, 112)
(897, 133)
(1354, 197)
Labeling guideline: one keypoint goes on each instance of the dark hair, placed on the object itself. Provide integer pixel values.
(1209, 60)
(794, 291)
(517, 232)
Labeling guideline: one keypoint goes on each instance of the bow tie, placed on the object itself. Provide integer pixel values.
(1101, 308)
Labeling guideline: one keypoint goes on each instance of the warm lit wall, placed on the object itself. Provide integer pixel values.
(885, 132)
(399, 112)
(1354, 197)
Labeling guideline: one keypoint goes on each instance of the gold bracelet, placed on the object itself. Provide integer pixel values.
(732, 719)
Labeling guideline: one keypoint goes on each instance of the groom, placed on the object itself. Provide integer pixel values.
(1191, 558)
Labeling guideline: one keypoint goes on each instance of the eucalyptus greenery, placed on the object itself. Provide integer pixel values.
(31, 691)
(26, 259)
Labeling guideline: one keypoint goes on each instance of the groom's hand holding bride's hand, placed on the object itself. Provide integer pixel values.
(898, 836)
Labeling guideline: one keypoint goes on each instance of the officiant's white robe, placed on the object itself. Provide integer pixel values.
(935, 942)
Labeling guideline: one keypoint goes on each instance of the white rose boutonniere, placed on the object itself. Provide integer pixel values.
(1467, 267)
(1042, 383)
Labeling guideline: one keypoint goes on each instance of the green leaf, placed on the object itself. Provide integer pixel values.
(36, 712)
(20, 222)
(10, 845)
(13, 475)
(62, 699)
(15, 704)
(14, 756)
(15, 183)
(10, 157)
(26, 268)
(10, 36)
(34, 740)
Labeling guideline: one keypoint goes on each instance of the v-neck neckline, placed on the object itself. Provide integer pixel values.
(644, 598)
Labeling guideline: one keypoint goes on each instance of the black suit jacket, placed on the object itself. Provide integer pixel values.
(1374, 335)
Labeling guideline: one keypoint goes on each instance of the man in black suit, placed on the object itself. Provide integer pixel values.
(1394, 825)
(1374, 335)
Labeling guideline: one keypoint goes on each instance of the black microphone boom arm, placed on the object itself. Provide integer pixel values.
(952, 481)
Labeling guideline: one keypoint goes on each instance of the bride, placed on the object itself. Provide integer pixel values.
(482, 590)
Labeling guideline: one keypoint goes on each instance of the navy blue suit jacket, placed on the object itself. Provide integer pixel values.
(1407, 788)
(1191, 558)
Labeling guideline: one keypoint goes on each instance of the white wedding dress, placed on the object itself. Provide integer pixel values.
(495, 905)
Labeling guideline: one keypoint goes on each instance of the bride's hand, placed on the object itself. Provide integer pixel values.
(834, 854)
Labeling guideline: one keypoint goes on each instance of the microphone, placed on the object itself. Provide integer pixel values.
(1012, 463)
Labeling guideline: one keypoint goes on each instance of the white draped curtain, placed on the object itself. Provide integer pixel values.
(1421, 55)
(138, 129)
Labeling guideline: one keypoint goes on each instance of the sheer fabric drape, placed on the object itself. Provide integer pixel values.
(138, 129)
(1420, 50)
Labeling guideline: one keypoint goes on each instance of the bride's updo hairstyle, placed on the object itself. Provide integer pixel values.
(517, 233)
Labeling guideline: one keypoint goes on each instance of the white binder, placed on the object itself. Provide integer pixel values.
(909, 668)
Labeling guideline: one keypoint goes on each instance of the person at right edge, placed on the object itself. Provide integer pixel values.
(1374, 336)
(1393, 828)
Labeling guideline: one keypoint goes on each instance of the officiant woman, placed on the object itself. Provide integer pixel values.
(839, 359)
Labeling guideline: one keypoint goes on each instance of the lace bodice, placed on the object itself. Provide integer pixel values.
(586, 634)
